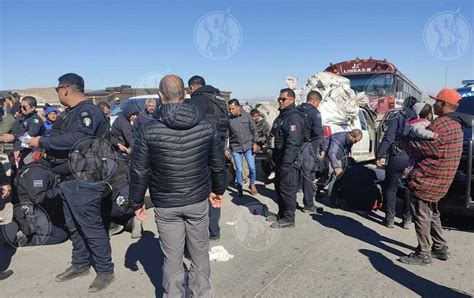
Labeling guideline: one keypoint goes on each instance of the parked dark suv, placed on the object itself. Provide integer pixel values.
(459, 197)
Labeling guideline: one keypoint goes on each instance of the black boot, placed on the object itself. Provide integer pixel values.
(101, 281)
(283, 223)
(309, 209)
(5, 274)
(441, 254)
(71, 273)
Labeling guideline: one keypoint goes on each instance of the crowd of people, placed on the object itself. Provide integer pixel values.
(94, 175)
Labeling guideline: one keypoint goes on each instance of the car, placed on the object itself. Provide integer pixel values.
(139, 101)
(459, 198)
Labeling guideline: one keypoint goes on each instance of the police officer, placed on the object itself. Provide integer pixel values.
(313, 135)
(81, 196)
(5, 189)
(288, 132)
(394, 146)
(28, 123)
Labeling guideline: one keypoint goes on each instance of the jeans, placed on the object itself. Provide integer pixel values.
(180, 227)
(250, 157)
(393, 174)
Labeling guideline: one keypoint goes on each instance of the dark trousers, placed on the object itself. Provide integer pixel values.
(307, 181)
(286, 185)
(427, 220)
(393, 174)
(82, 212)
(308, 171)
(214, 217)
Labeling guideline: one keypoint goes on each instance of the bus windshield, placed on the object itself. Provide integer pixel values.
(376, 85)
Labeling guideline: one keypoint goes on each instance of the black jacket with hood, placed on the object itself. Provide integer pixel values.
(122, 130)
(201, 98)
(179, 157)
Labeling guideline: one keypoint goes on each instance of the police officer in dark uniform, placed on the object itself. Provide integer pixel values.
(81, 188)
(28, 123)
(288, 132)
(313, 135)
(395, 146)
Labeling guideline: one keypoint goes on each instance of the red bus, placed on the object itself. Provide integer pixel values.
(383, 83)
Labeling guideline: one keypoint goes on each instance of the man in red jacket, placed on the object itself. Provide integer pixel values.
(437, 162)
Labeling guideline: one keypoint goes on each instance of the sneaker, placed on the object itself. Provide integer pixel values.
(214, 238)
(389, 223)
(442, 254)
(282, 223)
(115, 229)
(20, 239)
(271, 176)
(137, 228)
(253, 189)
(272, 218)
(406, 224)
(71, 273)
(5, 274)
(416, 259)
(310, 209)
(240, 192)
(101, 281)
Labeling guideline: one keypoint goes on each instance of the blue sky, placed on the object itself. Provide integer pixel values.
(119, 42)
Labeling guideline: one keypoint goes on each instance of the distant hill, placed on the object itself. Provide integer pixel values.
(42, 95)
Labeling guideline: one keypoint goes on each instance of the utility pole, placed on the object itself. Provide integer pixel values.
(446, 78)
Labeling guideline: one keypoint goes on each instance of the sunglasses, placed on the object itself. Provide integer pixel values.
(57, 88)
(283, 99)
(25, 108)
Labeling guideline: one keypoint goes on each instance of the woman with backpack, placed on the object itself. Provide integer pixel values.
(394, 147)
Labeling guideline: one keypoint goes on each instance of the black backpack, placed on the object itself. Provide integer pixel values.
(36, 183)
(221, 113)
(307, 123)
(37, 188)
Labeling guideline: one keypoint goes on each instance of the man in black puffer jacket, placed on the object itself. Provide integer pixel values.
(179, 157)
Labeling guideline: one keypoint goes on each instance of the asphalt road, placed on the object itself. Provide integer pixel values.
(336, 253)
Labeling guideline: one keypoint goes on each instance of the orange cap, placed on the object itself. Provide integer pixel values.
(448, 95)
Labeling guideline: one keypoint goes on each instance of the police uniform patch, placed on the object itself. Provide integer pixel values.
(86, 121)
(292, 128)
(37, 183)
(35, 121)
(83, 114)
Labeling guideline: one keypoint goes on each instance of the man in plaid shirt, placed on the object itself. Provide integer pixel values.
(437, 162)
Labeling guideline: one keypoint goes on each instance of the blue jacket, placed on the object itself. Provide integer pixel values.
(337, 147)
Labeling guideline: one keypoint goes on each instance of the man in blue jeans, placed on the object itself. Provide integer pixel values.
(243, 139)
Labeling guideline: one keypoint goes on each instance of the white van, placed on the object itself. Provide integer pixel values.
(139, 101)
